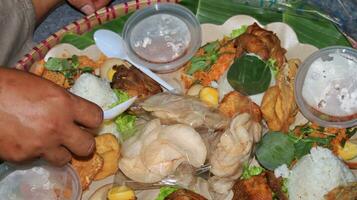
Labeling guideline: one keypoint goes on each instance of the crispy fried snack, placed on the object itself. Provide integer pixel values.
(234, 103)
(87, 168)
(261, 42)
(183, 194)
(107, 146)
(254, 188)
(278, 106)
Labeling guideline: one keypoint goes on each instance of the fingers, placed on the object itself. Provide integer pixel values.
(78, 141)
(58, 156)
(88, 6)
(100, 3)
(85, 6)
(87, 113)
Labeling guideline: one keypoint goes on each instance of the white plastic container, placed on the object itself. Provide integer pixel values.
(162, 37)
(38, 181)
(326, 87)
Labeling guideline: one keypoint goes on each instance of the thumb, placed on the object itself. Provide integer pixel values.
(85, 6)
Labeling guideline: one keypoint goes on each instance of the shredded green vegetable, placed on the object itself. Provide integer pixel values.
(251, 171)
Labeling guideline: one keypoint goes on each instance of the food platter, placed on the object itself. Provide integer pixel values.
(210, 33)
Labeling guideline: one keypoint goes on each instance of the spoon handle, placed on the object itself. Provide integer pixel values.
(156, 78)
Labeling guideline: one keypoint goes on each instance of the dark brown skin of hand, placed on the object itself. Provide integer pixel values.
(40, 119)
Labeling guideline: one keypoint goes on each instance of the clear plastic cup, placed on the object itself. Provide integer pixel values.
(326, 87)
(38, 181)
(162, 37)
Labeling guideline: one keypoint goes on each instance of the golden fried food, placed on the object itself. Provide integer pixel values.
(278, 105)
(347, 192)
(56, 77)
(87, 168)
(134, 82)
(254, 188)
(107, 146)
(234, 103)
(261, 42)
(183, 194)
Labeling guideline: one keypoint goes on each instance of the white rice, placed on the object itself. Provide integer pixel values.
(95, 90)
(316, 174)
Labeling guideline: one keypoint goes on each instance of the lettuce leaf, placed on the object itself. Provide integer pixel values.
(251, 171)
(122, 97)
(125, 124)
(165, 191)
(239, 31)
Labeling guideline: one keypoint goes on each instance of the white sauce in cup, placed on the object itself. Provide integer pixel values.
(330, 85)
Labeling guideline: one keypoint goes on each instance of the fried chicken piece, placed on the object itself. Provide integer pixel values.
(348, 192)
(107, 146)
(254, 188)
(87, 168)
(134, 82)
(234, 103)
(261, 42)
(276, 185)
(183, 194)
(252, 44)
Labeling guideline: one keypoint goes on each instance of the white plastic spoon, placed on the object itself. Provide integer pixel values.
(113, 45)
(118, 109)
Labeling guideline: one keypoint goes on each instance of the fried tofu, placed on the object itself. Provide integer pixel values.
(107, 146)
(87, 168)
(234, 103)
(254, 188)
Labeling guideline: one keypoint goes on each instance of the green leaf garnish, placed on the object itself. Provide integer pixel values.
(204, 62)
(249, 75)
(211, 47)
(122, 97)
(272, 65)
(165, 192)
(251, 171)
(275, 149)
(125, 124)
(57, 64)
(239, 31)
(87, 69)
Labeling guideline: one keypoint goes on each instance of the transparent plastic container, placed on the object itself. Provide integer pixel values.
(326, 87)
(38, 181)
(162, 37)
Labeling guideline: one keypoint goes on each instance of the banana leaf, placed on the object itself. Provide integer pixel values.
(310, 28)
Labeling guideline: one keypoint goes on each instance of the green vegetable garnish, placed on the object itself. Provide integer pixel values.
(249, 75)
(284, 187)
(69, 67)
(272, 65)
(239, 31)
(275, 149)
(125, 124)
(122, 97)
(251, 171)
(204, 62)
(165, 191)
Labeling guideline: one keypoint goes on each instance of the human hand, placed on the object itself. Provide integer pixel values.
(41, 119)
(89, 6)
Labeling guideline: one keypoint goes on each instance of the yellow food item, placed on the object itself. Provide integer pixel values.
(209, 95)
(348, 152)
(121, 193)
(107, 146)
(110, 74)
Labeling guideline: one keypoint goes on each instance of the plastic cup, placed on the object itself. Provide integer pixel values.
(38, 181)
(326, 87)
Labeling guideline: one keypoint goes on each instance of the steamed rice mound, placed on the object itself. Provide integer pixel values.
(316, 174)
(94, 89)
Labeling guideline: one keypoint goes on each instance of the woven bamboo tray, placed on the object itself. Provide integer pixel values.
(82, 26)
